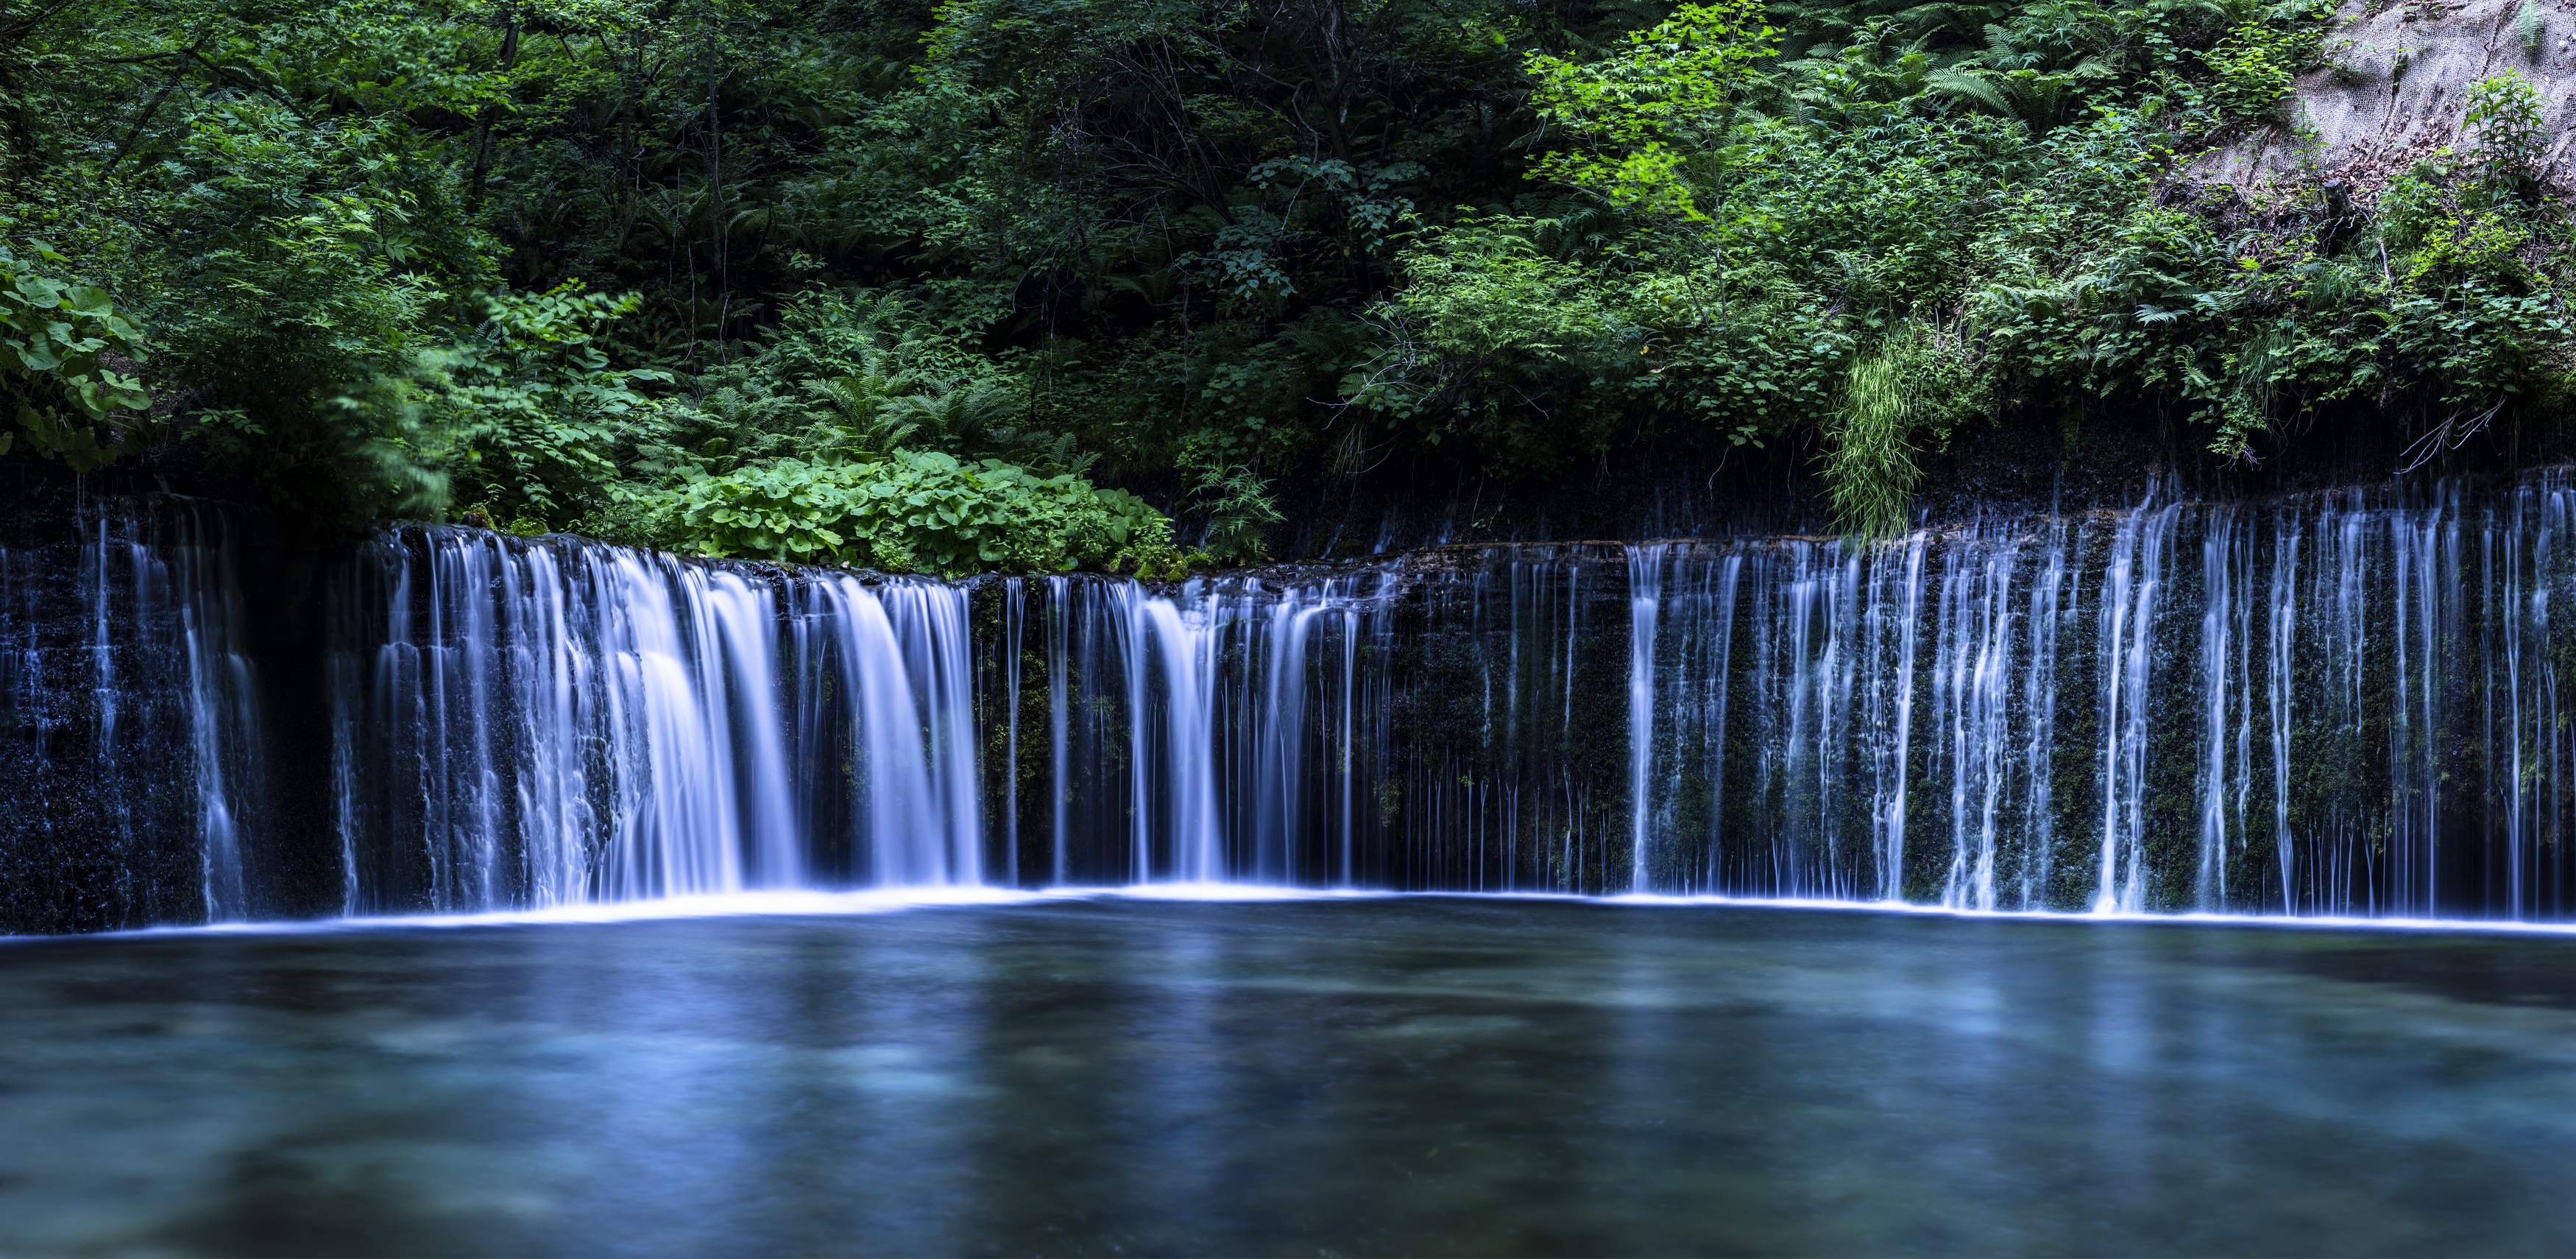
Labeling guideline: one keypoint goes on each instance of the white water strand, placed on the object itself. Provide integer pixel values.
(1014, 617)
(1972, 686)
(1059, 729)
(2283, 620)
(2339, 613)
(2131, 587)
(224, 720)
(1279, 742)
(1174, 775)
(674, 823)
(1345, 759)
(1891, 700)
(1278, 778)
(2523, 552)
(1690, 714)
(105, 689)
(2221, 640)
(2424, 546)
(1645, 600)
(2052, 603)
(555, 812)
(899, 654)
(929, 620)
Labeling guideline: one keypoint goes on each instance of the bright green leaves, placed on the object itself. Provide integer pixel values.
(922, 511)
(56, 344)
(2504, 115)
(1487, 304)
(1645, 113)
(2254, 66)
(1675, 80)
(1870, 467)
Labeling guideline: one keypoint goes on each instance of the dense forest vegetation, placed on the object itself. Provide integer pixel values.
(913, 286)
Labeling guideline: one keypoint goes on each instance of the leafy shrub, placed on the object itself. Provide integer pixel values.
(52, 339)
(2411, 205)
(1672, 84)
(2504, 114)
(922, 511)
(535, 415)
(2255, 64)
(1746, 354)
(2133, 313)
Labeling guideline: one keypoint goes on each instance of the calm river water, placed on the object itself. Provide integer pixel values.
(1419, 1075)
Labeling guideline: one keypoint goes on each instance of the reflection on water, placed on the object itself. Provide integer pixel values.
(1408, 1075)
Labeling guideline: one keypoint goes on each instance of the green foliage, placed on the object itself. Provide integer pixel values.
(1748, 354)
(922, 511)
(55, 343)
(1238, 506)
(1871, 467)
(717, 272)
(2505, 117)
(1485, 288)
(2254, 65)
(1914, 388)
(2130, 316)
(536, 418)
(2017, 195)
(1644, 111)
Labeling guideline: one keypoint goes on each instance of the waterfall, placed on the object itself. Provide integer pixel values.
(2343, 703)
(132, 724)
(2051, 605)
(2225, 750)
(1171, 662)
(897, 665)
(533, 724)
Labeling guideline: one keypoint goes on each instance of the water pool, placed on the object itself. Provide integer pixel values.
(1422, 1075)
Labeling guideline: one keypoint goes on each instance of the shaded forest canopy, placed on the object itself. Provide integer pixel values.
(920, 287)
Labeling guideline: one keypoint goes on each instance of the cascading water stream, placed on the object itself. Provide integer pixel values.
(531, 725)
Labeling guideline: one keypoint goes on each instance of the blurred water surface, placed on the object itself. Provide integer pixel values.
(1416, 1075)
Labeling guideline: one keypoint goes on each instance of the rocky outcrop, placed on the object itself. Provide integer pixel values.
(2393, 88)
